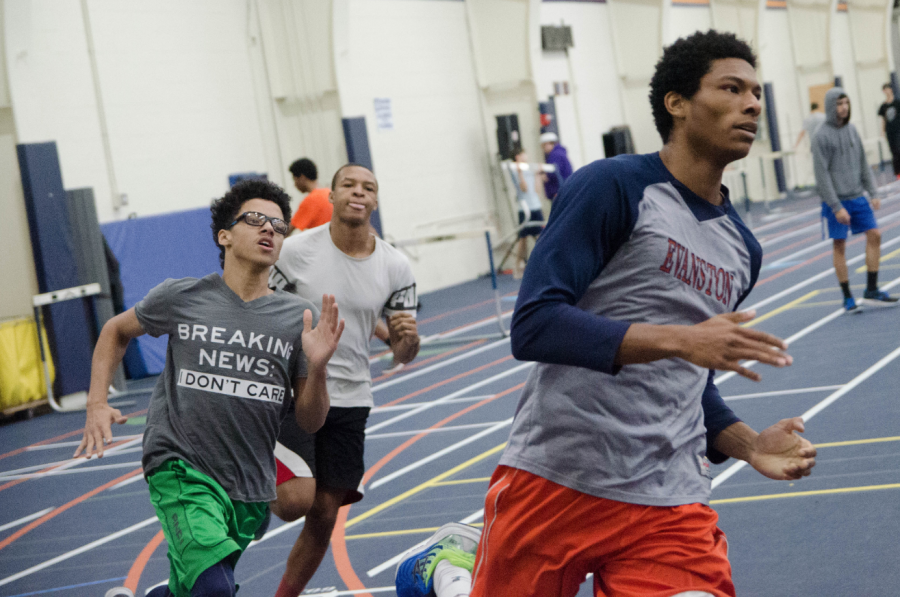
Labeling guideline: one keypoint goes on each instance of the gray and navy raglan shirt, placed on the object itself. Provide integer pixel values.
(227, 384)
(626, 243)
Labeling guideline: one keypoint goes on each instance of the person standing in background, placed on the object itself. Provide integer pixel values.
(890, 124)
(523, 176)
(843, 178)
(810, 124)
(556, 155)
(316, 208)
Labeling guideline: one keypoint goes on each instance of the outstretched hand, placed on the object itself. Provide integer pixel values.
(721, 343)
(98, 429)
(320, 343)
(781, 454)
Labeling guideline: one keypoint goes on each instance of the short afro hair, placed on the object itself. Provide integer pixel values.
(304, 167)
(334, 179)
(227, 208)
(682, 66)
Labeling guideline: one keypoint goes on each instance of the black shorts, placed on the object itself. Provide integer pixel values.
(333, 455)
(535, 216)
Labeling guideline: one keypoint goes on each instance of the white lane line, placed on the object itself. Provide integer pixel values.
(831, 399)
(275, 532)
(821, 244)
(466, 328)
(449, 397)
(784, 236)
(118, 438)
(437, 430)
(815, 278)
(439, 453)
(410, 405)
(28, 518)
(798, 216)
(781, 393)
(127, 482)
(808, 329)
(73, 462)
(418, 546)
(444, 335)
(37, 467)
(69, 471)
(75, 552)
(440, 365)
(356, 592)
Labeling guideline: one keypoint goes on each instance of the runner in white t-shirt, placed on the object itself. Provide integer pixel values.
(317, 474)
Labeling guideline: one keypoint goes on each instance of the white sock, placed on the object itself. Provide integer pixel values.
(451, 581)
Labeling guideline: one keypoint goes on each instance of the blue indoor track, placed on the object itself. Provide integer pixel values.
(81, 527)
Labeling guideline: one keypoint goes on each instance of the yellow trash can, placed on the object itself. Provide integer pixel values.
(21, 372)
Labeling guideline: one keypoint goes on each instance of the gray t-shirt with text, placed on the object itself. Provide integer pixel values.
(226, 385)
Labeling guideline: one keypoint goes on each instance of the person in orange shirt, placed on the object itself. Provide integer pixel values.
(315, 209)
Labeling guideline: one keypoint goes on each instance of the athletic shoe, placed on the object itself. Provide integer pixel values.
(877, 298)
(119, 592)
(454, 542)
(850, 305)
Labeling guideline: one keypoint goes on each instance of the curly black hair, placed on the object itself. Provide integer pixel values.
(682, 66)
(304, 167)
(227, 208)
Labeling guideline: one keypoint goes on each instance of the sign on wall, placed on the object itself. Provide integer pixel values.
(384, 118)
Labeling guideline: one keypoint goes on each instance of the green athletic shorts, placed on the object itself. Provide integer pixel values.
(202, 525)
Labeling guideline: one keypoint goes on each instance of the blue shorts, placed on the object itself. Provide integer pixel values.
(862, 218)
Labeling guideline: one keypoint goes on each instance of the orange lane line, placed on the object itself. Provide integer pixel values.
(36, 523)
(446, 381)
(339, 543)
(59, 437)
(455, 311)
(431, 359)
(137, 568)
(9, 484)
(461, 309)
(789, 247)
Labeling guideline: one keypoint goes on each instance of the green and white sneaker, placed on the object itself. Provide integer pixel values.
(454, 542)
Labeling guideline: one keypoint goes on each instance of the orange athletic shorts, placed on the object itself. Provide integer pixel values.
(541, 539)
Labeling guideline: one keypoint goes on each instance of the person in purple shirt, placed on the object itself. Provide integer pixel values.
(555, 154)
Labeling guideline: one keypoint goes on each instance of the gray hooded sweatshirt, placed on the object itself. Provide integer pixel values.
(839, 158)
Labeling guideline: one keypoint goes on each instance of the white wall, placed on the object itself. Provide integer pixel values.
(16, 260)
(591, 72)
(176, 87)
(434, 164)
(685, 19)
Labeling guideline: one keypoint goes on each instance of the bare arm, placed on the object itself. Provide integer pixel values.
(382, 332)
(404, 337)
(109, 352)
(318, 346)
(778, 452)
(717, 343)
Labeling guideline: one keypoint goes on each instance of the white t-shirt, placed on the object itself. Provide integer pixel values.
(366, 289)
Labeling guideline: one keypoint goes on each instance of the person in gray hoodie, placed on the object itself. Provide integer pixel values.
(843, 178)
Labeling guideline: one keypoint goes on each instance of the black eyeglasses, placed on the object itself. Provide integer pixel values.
(254, 218)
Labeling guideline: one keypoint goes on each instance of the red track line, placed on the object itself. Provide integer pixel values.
(791, 246)
(436, 357)
(461, 309)
(60, 437)
(36, 523)
(9, 484)
(137, 568)
(446, 381)
(338, 542)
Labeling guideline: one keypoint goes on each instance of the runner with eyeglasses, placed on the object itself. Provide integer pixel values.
(240, 358)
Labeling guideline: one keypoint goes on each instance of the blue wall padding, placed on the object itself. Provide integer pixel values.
(69, 329)
(151, 249)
